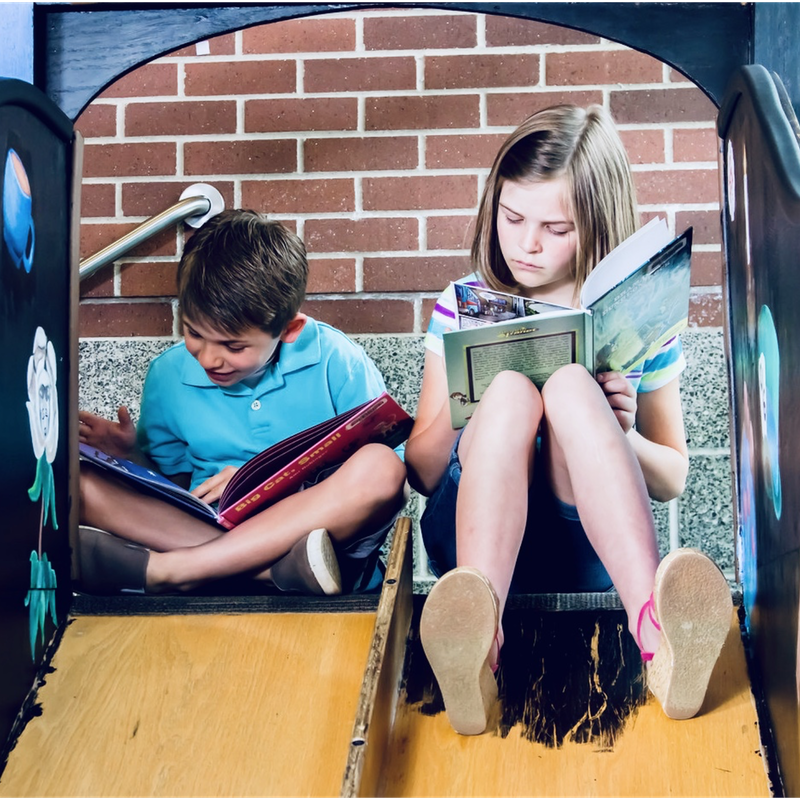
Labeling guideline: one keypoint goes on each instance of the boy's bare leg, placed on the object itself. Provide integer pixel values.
(593, 466)
(114, 506)
(496, 453)
(364, 493)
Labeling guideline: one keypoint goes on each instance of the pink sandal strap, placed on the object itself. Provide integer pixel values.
(649, 608)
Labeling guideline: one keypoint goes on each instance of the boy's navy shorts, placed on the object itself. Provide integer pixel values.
(555, 555)
(359, 559)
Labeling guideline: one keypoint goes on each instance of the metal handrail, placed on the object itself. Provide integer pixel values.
(198, 203)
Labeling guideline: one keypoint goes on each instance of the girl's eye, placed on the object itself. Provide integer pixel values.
(558, 232)
(513, 220)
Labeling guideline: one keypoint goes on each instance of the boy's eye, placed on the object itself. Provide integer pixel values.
(235, 348)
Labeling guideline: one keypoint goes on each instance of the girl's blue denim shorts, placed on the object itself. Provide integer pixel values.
(555, 555)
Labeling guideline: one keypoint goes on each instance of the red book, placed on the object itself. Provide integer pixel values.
(279, 470)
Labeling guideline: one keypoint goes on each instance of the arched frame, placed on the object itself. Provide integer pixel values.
(79, 50)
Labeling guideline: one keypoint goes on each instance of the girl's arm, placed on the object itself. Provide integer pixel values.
(428, 447)
(659, 441)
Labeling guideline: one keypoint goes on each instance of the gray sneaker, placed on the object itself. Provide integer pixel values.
(110, 564)
(310, 567)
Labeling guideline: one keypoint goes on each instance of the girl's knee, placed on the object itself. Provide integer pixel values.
(567, 385)
(512, 389)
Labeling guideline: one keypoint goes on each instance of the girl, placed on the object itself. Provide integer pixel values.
(550, 490)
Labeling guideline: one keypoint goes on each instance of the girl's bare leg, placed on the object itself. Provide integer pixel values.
(593, 467)
(496, 453)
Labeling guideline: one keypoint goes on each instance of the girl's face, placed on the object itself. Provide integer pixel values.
(538, 238)
(228, 359)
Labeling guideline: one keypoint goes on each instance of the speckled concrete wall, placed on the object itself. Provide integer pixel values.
(112, 371)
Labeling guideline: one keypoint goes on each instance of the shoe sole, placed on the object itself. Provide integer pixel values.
(693, 606)
(323, 562)
(457, 628)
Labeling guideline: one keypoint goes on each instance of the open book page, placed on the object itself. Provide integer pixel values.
(639, 315)
(624, 259)
(149, 481)
(476, 306)
(282, 469)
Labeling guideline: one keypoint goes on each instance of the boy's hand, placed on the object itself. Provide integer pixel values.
(212, 488)
(621, 397)
(118, 439)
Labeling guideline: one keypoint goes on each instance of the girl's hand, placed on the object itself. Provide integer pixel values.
(621, 397)
(211, 489)
(118, 439)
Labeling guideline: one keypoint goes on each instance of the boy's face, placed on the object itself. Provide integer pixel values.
(228, 359)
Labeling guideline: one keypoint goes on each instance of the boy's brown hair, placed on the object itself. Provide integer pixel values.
(241, 270)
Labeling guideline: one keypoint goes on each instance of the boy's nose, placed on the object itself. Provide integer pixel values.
(209, 357)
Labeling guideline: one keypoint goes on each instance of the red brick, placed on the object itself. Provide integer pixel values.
(97, 120)
(413, 273)
(644, 146)
(98, 200)
(706, 224)
(674, 76)
(425, 112)
(705, 310)
(125, 319)
(462, 150)
(420, 33)
(372, 234)
(143, 279)
(240, 77)
(98, 236)
(513, 107)
(481, 71)
(299, 196)
(223, 45)
(662, 105)
(600, 67)
(369, 153)
(706, 268)
(450, 233)
(331, 275)
(129, 159)
(307, 114)
(425, 191)
(149, 80)
(147, 199)
(502, 31)
(101, 284)
(241, 157)
(181, 118)
(360, 74)
(695, 144)
(428, 304)
(311, 35)
(677, 186)
(361, 315)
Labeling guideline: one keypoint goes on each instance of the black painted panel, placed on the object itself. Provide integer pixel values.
(35, 338)
(761, 217)
(81, 49)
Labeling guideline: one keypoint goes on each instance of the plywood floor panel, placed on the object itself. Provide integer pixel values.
(255, 705)
(716, 754)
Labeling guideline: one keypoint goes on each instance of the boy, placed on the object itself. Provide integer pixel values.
(251, 371)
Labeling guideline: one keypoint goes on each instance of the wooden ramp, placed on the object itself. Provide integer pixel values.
(322, 704)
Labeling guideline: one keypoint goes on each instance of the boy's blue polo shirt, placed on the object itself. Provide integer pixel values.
(189, 424)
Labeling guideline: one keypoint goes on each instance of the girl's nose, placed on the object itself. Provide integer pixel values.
(531, 241)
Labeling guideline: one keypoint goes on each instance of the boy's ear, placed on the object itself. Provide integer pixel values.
(294, 328)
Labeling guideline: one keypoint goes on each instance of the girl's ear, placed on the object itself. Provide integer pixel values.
(294, 328)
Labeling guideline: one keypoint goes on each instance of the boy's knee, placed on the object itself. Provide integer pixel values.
(378, 467)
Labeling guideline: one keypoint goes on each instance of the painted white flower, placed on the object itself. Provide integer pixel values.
(42, 397)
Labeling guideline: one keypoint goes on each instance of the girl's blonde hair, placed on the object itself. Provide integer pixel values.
(583, 147)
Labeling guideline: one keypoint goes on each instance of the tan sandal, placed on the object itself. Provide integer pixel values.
(458, 628)
(692, 603)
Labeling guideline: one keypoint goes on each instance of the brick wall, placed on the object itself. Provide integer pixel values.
(370, 134)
